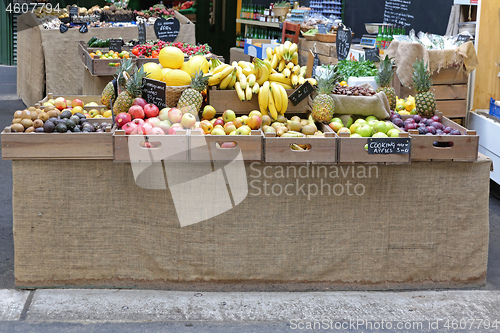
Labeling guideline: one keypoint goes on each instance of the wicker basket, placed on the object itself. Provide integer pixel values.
(172, 94)
(281, 11)
(327, 38)
(310, 37)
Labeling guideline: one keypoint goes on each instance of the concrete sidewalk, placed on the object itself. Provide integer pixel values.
(476, 310)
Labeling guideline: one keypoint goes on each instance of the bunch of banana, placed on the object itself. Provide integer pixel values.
(273, 99)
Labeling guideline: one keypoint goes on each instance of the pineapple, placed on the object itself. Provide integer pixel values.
(323, 105)
(384, 79)
(122, 74)
(192, 98)
(425, 101)
(133, 89)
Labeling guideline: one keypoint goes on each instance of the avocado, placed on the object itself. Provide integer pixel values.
(80, 115)
(76, 119)
(53, 120)
(66, 114)
(60, 121)
(61, 128)
(49, 127)
(76, 130)
(70, 124)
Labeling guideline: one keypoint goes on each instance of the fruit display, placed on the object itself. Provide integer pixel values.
(111, 55)
(405, 106)
(54, 120)
(365, 127)
(323, 105)
(354, 91)
(425, 101)
(90, 110)
(228, 123)
(151, 49)
(158, 10)
(384, 80)
(295, 127)
(425, 126)
(133, 90)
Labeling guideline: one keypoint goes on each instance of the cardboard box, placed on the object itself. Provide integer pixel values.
(257, 47)
(238, 54)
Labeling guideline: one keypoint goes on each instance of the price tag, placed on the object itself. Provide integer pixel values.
(83, 29)
(73, 11)
(154, 92)
(463, 38)
(321, 28)
(372, 54)
(344, 38)
(167, 30)
(142, 32)
(389, 146)
(301, 93)
(63, 28)
(115, 44)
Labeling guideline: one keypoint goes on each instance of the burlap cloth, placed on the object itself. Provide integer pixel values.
(405, 54)
(52, 56)
(86, 223)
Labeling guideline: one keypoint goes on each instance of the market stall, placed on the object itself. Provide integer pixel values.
(48, 60)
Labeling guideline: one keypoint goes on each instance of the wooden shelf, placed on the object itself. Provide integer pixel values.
(262, 24)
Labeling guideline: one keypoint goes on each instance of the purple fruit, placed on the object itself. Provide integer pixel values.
(398, 122)
(447, 129)
(411, 126)
(421, 125)
(411, 120)
(455, 132)
(431, 129)
(393, 116)
(429, 133)
(436, 119)
(436, 125)
(439, 132)
(417, 118)
(422, 130)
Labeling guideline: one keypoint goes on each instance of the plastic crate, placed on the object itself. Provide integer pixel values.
(494, 109)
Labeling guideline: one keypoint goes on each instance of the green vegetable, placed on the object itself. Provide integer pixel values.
(311, 32)
(102, 43)
(91, 40)
(106, 43)
(348, 68)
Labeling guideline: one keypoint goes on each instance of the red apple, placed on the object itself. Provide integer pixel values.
(151, 110)
(146, 129)
(228, 116)
(174, 115)
(229, 127)
(130, 128)
(60, 103)
(153, 121)
(163, 115)
(188, 120)
(206, 126)
(238, 122)
(140, 101)
(228, 145)
(136, 111)
(157, 131)
(77, 102)
(122, 118)
(254, 122)
(218, 121)
(175, 127)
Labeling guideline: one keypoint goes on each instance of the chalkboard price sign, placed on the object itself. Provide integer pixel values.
(389, 146)
(344, 38)
(167, 30)
(154, 92)
(463, 38)
(321, 28)
(63, 28)
(301, 93)
(83, 29)
(372, 54)
(73, 11)
(115, 44)
(142, 32)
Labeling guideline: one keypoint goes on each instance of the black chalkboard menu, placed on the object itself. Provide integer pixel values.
(422, 15)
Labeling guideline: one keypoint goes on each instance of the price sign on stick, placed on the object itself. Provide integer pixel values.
(115, 44)
(154, 92)
(344, 38)
(142, 32)
(167, 30)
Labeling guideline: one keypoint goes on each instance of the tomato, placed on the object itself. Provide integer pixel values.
(135, 51)
(155, 54)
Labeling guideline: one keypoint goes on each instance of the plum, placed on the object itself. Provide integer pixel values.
(431, 129)
(398, 122)
(417, 118)
(411, 126)
(447, 129)
(429, 133)
(411, 120)
(439, 132)
(436, 119)
(422, 130)
(455, 132)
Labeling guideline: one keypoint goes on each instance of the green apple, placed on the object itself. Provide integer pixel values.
(218, 131)
(243, 130)
(335, 126)
(354, 127)
(370, 118)
(228, 116)
(372, 122)
(379, 126)
(337, 120)
(393, 133)
(349, 122)
(360, 121)
(380, 135)
(388, 125)
(355, 135)
(364, 130)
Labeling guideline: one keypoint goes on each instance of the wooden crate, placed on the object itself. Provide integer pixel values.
(222, 100)
(323, 49)
(84, 98)
(207, 147)
(450, 88)
(163, 147)
(94, 146)
(352, 150)
(322, 149)
(462, 147)
(97, 66)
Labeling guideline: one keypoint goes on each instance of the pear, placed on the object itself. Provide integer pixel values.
(281, 118)
(294, 125)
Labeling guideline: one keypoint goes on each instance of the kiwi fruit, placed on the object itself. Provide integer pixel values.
(16, 120)
(17, 128)
(49, 107)
(52, 114)
(38, 110)
(29, 129)
(43, 116)
(18, 114)
(31, 108)
(34, 115)
(38, 123)
(27, 123)
(26, 114)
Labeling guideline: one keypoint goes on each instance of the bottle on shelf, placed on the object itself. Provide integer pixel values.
(378, 40)
(385, 38)
(390, 38)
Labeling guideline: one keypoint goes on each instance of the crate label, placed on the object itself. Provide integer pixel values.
(301, 93)
(167, 30)
(389, 146)
(115, 44)
(63, 28)
(83, 29)
(154, 92)
(344, 38)
(321, 28)
(141, 27)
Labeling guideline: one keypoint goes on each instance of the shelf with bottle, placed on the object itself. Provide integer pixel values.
(386, 35)
(258, 23)
(258, 33)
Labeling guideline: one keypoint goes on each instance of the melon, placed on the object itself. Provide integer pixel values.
(195, 64)
(164, 72)
(154, 71)
(177, 77)
(171, 57)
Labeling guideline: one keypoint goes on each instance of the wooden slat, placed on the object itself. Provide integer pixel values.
(324, 49)
(441, 91)
(322, 59)
(57, 145)
(453, 108)
(452, 75)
